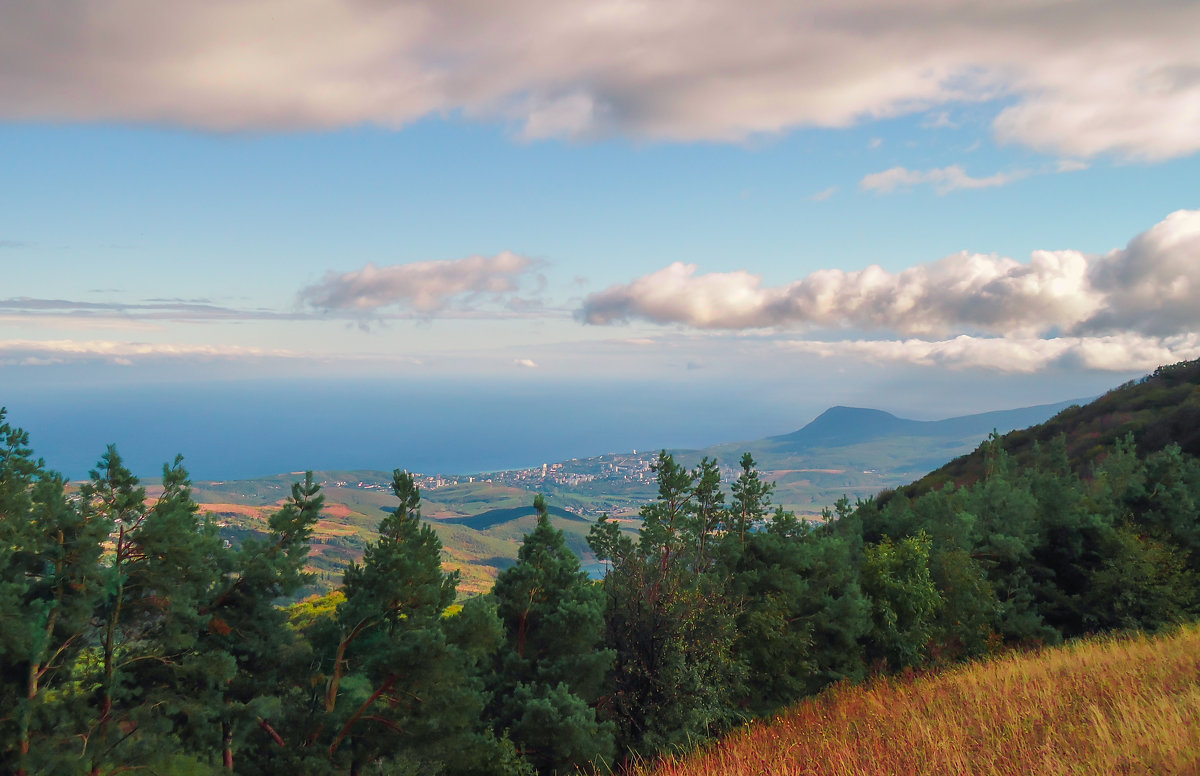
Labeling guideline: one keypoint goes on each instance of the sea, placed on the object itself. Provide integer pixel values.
(229, 430)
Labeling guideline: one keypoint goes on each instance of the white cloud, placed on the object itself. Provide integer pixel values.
(426, 286)
(1081, 78)
(821, 196)
(939, 120)
(526, 363)
(944, 180)
(1115, 353)
(1070, 165)
(40, 352)
(1150, 286)
(1153, 283)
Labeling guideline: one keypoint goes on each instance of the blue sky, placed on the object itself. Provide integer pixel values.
(935, 208)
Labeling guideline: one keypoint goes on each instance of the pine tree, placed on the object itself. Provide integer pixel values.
(242, 622)
(402, 682)
(551, 672)
(50, 585)
(751, 499)
(672, 630)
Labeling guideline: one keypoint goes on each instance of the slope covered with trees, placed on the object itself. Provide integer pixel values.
(134, 637)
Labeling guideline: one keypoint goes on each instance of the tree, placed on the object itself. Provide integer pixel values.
(674, 675)
(401, 680)
(552, 669)
(242, 621)
(50, 584)
(751, 499)
(904, 600)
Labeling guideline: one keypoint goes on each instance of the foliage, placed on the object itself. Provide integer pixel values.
(550, 673)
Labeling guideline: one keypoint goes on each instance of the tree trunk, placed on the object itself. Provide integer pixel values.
(227, 741)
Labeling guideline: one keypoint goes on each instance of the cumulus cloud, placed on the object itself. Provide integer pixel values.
(944, 180)
(1079, 79)
(525, 363)
(1151, 286)
(425, 286)
(1117, 353)
(1153, 283)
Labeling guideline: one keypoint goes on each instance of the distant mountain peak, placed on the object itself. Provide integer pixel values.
(840, 423)
(840, 426)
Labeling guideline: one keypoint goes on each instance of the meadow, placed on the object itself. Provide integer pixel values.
(1113, 705)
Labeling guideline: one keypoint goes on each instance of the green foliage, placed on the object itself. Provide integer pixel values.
(551, 672)
(51, 581)
(670, 625)
(904, 600)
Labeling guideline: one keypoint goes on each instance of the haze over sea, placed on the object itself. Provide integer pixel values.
(242, 429)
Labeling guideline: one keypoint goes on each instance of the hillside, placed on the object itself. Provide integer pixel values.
(858, 452)
(1116, 705)
(1159, 409)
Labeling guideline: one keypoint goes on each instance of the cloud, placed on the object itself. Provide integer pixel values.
(425, 286)
(944, 180)
(1078, 80)
(1151, 286)
(1116, 353)
(525, 363)
(821, 196)
(1070, 165)
(939, 120)
(1153, 283)
(150, 308)
(43, 352)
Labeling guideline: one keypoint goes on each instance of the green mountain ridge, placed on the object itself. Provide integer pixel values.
(1161, 408)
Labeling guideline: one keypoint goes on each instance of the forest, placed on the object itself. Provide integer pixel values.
(134, 638)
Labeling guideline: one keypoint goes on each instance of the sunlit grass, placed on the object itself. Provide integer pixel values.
(1128, 705)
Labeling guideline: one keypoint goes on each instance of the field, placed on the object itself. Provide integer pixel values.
(1111, 706)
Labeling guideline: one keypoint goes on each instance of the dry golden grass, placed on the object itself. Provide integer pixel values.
(1110, 706)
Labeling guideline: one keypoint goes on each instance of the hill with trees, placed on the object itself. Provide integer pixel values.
(1159, 410)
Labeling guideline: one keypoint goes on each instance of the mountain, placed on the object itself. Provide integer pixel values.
(858, 452)
(844, 426)
(1160, 409)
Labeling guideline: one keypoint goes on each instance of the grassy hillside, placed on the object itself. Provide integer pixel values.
(1117, 705)
(1160, 409)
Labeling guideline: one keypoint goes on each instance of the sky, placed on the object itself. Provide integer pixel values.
(932, 207)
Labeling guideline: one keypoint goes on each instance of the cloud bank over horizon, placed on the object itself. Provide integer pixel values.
(1131, 308)
(1069, 79)
(1149, 286)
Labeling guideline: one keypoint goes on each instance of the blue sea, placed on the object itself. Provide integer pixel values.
(243, 429)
